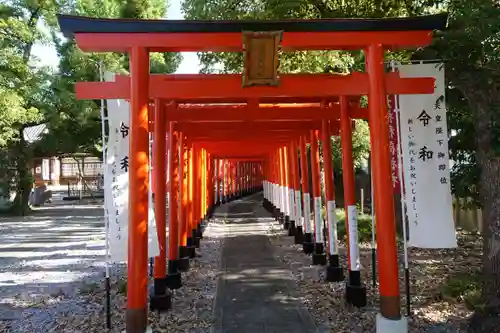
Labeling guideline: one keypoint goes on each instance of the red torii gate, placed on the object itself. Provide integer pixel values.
(140, 37)
(201, 88)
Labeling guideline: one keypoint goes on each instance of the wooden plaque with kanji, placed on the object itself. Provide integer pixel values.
(261, 58)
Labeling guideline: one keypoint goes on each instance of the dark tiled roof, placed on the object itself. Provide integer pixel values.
(79, 24)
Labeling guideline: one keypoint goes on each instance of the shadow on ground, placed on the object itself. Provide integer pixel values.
(48, 254)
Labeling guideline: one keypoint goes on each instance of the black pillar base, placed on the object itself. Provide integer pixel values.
(192, 252)
(286, 222)
(272, 209)
(190, 248)
(319, 255)
(308, 245)
(319, 259)
(195, 238)
(196, 242)
(334, 273)
(356, 295)
(355, 292)
(299, 235)
(161, 299)
(199, 230)
(281, 217)
(184, 259)
(276, 213)
(159, 286)
(184, 264)
(292, 229)
(173, 278)
(160, 303)
(268, 206)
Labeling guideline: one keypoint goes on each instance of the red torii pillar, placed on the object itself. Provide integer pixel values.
(198, 197)
(334, 271)
(282, 195)
(193, 198)
(182, 204)
(389, 319)
(319, 256)
(299, 233)
(160, 300)
(355, 291)
(174, 279)
(136, 318)
(216, 174)
(390, 302)
(308, 244)
(286, 185)
(292, 210)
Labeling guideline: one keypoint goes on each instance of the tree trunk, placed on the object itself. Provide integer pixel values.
(32, 23)
(485, 103)
(487, 319)
(24, 179)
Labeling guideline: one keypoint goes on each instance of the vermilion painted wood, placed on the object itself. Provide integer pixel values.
(243, 113)
(252, 126)
(232, 42)
(138, 183)
(236, 141)
(227, 87)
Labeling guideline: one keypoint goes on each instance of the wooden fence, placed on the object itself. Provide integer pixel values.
(467, 218)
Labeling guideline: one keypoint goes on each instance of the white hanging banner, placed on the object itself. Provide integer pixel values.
(110, 210)
(116, 184)
(424, 140)
(118, 118)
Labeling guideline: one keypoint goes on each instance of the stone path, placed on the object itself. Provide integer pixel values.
(255, 292)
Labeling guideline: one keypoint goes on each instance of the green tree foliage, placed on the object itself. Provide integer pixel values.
(30, 94)
(302, 61)
(465, 173)
(75, 126)
(471, 49)
(23, 91)
(151, 9)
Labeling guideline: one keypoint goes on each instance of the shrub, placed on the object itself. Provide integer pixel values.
(364, 228)
(464, 287)
(364, 225)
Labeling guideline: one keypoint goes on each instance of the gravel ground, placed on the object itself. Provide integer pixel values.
(429, 271)
(52, 277)
(52, 268)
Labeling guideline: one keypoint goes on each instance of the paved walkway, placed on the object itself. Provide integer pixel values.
(256, 293)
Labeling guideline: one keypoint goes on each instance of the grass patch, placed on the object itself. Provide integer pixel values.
(464, 287)
(121, 287)
(364, 228)
(90, 288)
(364, 225)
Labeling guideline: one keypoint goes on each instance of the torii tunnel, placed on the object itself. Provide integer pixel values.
(226, 140)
